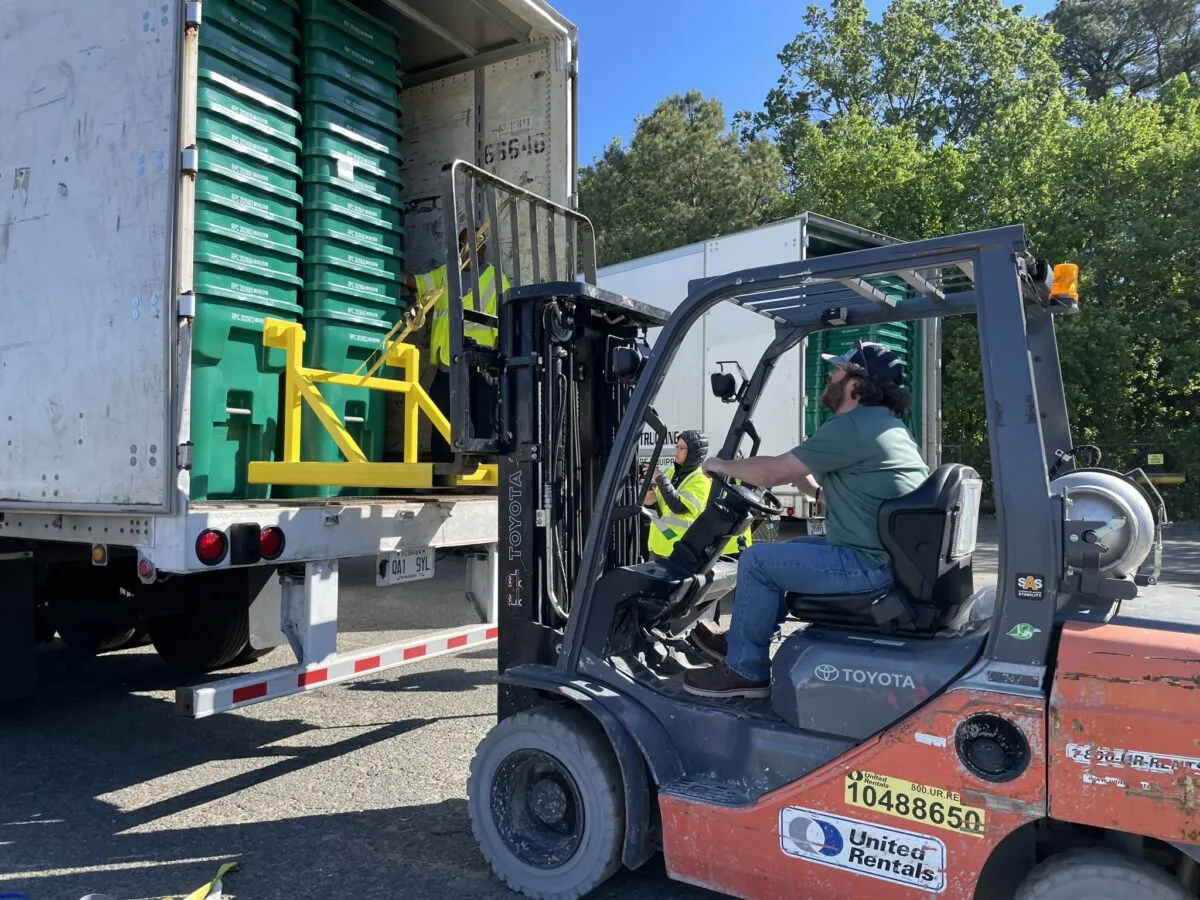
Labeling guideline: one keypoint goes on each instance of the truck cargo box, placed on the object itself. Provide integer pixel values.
(174, 174)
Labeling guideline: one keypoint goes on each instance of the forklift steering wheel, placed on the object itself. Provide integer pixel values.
(757, 498)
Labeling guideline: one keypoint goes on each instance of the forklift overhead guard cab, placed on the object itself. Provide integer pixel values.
(934, 739)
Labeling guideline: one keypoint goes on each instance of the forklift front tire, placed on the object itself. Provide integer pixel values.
(1099, 875)
(546, 803)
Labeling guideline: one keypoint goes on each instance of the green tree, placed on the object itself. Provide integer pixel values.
(940, 68)
(989, 134)
(684, 177)
(1135, 46)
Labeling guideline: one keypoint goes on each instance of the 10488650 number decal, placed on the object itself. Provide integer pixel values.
(915, 802)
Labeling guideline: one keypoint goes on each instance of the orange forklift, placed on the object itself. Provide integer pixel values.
(1025, 739)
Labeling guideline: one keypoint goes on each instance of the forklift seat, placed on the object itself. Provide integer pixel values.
(930, 535)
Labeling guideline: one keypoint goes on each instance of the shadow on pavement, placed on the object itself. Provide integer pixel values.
(62, 836)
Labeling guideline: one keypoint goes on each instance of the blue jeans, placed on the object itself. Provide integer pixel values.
(766, 572)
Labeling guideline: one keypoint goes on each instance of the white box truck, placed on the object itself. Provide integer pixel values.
(159, 165)
(789, 409)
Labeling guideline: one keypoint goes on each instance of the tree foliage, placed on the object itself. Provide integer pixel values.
(684, 177)
(949, 115)
(1129, 45)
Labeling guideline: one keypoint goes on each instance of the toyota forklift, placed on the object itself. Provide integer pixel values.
(1020, 739)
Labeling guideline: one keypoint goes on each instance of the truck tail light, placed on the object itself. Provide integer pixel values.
(271, 542)
(211, 546)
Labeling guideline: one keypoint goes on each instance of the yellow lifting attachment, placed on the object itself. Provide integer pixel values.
(301, 385)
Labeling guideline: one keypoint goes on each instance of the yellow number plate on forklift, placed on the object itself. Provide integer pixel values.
(915, 802)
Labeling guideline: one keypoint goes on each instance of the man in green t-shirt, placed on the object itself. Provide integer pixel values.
(860, 458)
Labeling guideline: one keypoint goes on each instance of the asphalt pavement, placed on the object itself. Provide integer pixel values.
(352, 791)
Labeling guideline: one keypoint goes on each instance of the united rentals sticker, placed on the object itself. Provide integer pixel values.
(862, 848)
(1031, 587)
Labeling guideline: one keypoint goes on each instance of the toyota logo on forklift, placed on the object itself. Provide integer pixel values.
(857, 786)
(826, 672)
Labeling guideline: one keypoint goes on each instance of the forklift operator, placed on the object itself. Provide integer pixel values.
(862, 457)
(679, 495)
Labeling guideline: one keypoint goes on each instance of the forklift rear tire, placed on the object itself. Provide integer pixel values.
(1099, 875)
(546, 803)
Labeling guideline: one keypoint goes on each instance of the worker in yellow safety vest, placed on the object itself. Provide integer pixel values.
(483, 401)
(680, 494)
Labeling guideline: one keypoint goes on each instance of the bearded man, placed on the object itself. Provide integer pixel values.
(860, 458)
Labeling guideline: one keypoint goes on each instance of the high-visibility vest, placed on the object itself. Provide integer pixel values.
(667, 526)
(439, 328)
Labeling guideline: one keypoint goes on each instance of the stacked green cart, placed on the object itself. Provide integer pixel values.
(353, 221)
(247, 237)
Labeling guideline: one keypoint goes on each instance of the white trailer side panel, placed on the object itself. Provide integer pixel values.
(737, 334)
(661, 280)
(89, 166)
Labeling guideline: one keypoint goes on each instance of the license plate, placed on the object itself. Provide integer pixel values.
(399, 566)
(816, 526)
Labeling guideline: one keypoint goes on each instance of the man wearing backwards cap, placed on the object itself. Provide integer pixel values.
(860, 458)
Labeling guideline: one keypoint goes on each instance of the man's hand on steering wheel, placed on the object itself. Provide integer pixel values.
(759, 499)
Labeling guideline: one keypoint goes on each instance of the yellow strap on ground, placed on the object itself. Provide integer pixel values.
(205, 890)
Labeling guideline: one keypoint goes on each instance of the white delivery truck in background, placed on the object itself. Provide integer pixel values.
(171, 175)
(789, 408)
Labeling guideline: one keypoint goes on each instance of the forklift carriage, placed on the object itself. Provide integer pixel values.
(1020, 739)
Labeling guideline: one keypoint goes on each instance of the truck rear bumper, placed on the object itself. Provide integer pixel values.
(338, 528)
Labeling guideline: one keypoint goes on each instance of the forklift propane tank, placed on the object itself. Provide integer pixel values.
(1098, 495)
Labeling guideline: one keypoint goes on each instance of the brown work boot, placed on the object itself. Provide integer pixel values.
(709, 639)
(720, 681)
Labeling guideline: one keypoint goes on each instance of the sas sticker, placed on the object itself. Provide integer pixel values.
(915, 802)
(1031, 587)
(863, 848)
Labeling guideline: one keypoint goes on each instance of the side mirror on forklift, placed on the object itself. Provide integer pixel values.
(724, 386)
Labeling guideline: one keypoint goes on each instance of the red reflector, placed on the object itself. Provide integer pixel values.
(211, 547)
(316, 676)
(144, 568)
(414, 652)
(250, 692)
(492, 633)
(457, 641)
(365, 665)
(270, 542)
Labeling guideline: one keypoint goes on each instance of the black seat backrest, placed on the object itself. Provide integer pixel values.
(930, 534)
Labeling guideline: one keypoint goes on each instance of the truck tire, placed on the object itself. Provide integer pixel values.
(18, 630)
(208, 635)
(90, 640)
(1097, 874)
(92, 608)
(201, 622)
(546, 803)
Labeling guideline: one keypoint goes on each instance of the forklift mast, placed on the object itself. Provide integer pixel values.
(568, 357)
(573, 355)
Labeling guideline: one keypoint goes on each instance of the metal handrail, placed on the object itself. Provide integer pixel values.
(468, 191)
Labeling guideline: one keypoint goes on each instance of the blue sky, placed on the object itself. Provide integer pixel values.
(633, 53)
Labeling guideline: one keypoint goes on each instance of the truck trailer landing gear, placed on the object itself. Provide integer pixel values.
(932, 739)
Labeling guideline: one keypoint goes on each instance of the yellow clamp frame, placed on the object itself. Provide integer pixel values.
(301, 386)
